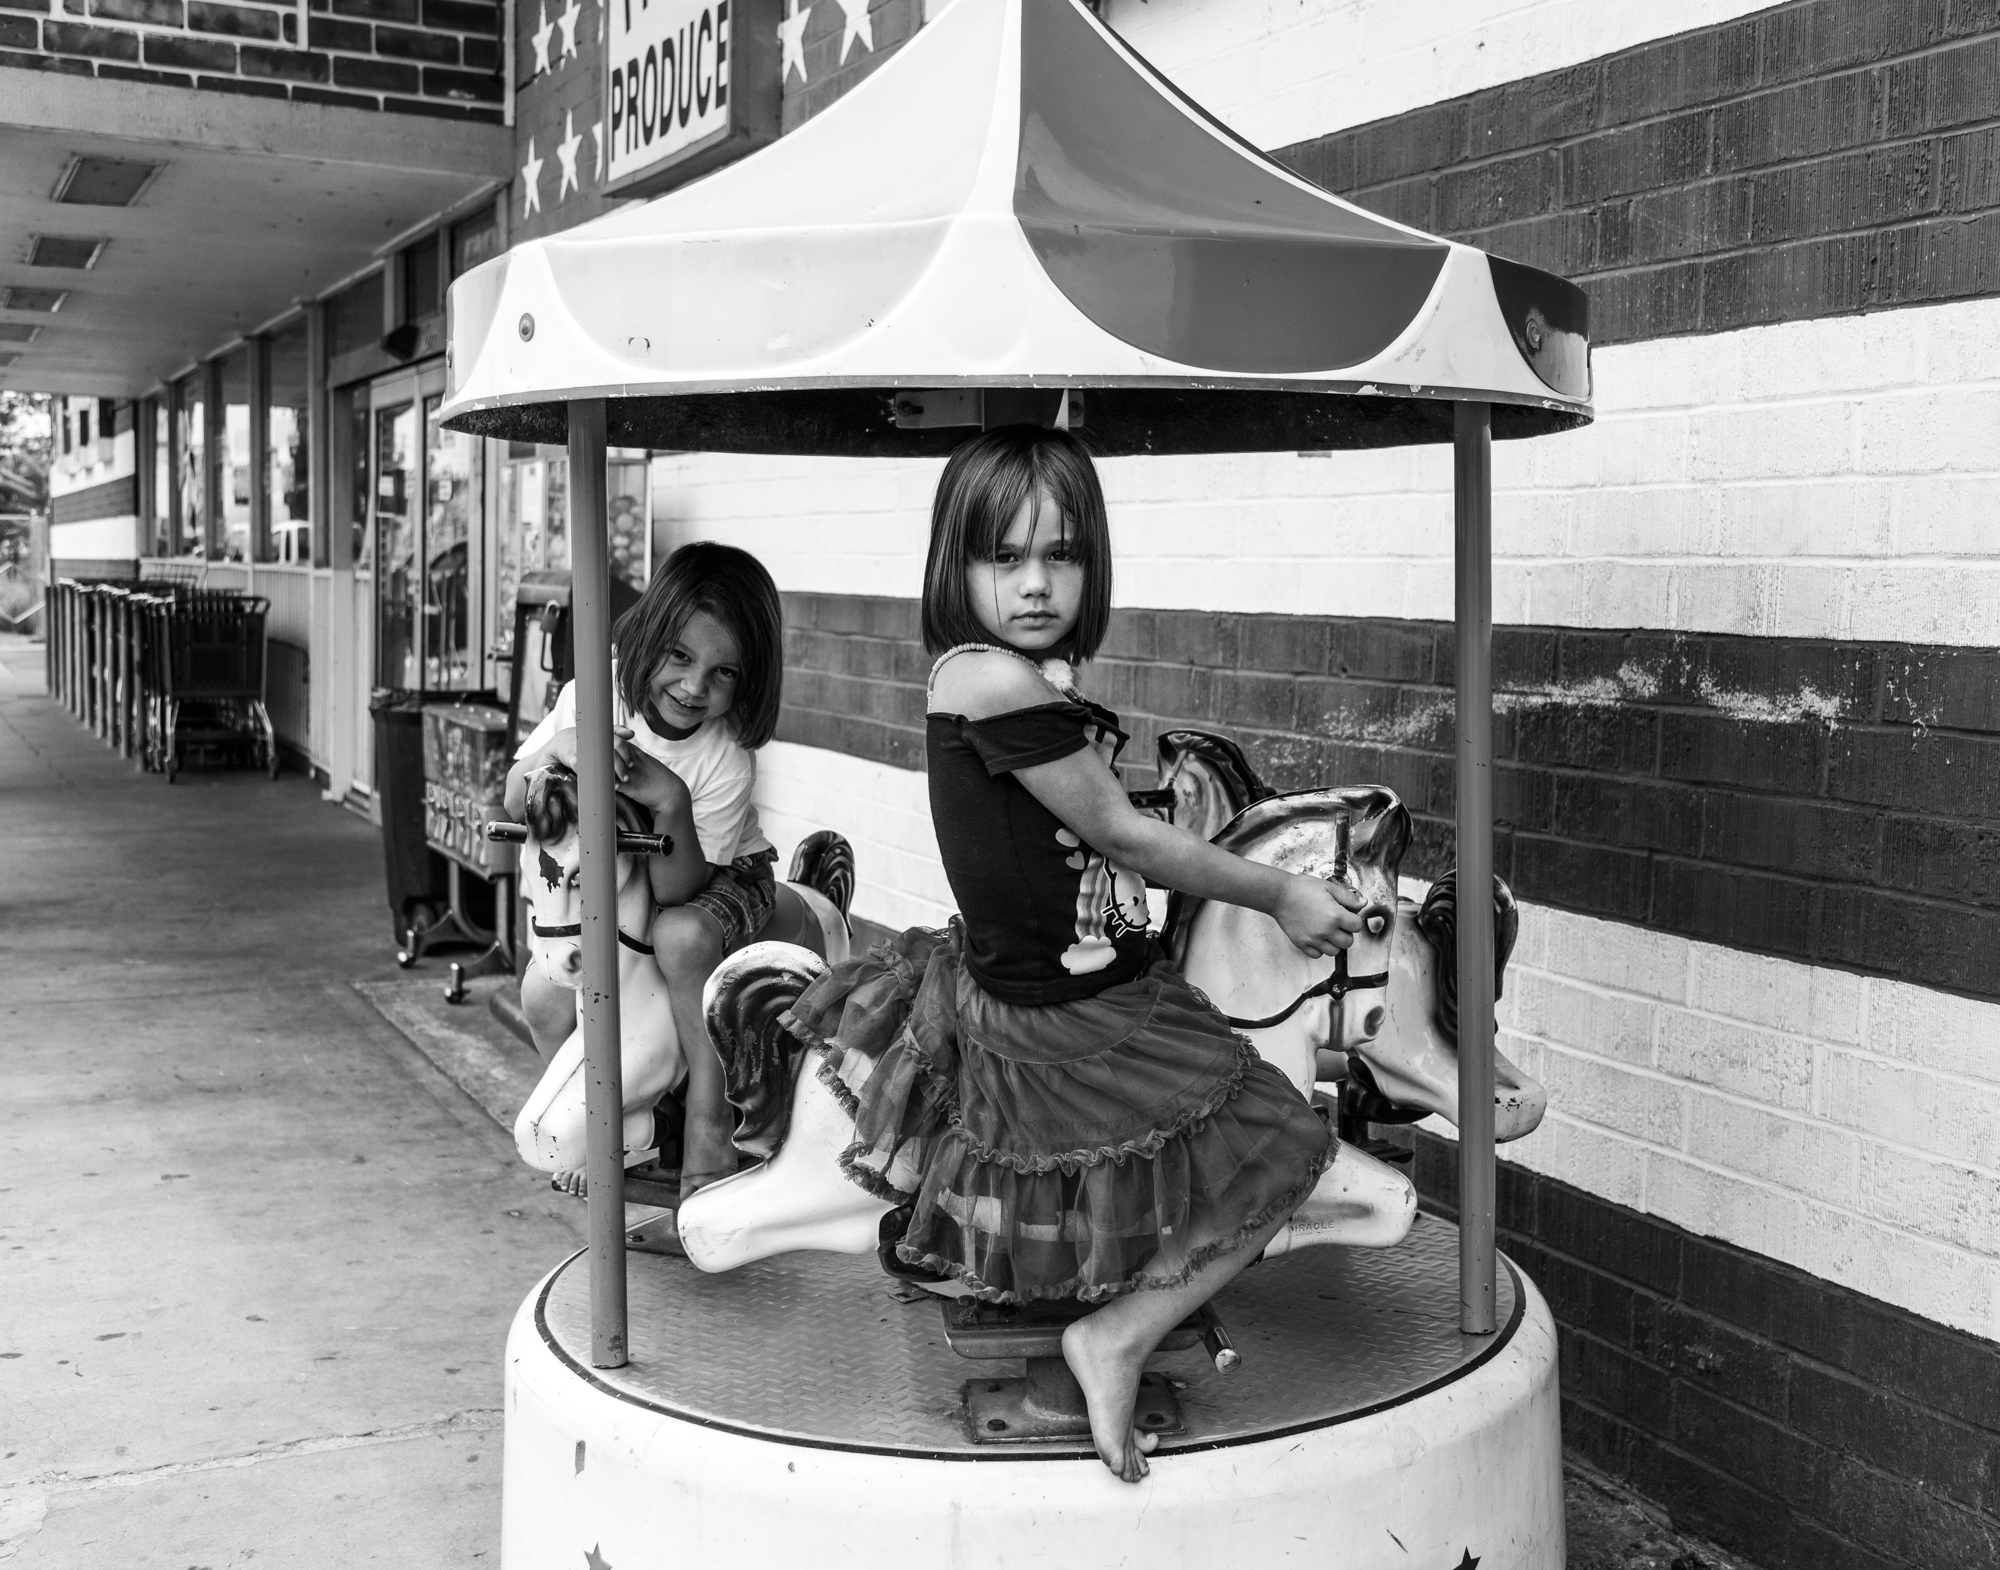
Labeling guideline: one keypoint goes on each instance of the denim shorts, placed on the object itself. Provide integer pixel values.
(740, 896)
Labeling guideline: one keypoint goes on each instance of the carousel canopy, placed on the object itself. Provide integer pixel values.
(1015, 218)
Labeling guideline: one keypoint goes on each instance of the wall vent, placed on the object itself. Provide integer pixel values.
(58, 250)
(104, 182)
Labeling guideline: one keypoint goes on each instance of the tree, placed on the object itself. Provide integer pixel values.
(25, 442)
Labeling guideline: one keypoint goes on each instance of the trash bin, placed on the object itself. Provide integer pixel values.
(416, 874)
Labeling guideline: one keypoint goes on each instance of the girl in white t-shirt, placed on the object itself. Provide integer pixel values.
(700, 663)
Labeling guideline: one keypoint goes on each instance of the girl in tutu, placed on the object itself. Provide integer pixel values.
(1064, 1113)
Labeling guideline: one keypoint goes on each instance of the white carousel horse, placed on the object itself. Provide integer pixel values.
(1385, 1013)
(810, 911)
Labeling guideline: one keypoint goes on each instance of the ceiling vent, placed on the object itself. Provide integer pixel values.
(19, 299)
(104, 182)
(56, 250)
(18, 332)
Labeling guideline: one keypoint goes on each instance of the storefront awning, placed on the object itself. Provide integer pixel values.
(1014, 206)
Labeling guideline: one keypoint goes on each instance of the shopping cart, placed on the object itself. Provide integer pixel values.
(204, 660)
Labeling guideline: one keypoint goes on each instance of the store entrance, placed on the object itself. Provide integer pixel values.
(426, 505)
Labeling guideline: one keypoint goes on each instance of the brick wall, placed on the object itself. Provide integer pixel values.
(1830, 802)
(1821, 157)
(1786, 1418)
(835, 55)
(437, 57)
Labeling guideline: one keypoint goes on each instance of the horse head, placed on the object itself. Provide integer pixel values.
(1248, 967)
(1410, 1067)
(1210, 778)
(551, 863)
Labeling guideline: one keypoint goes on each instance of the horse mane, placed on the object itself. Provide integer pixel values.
(550, 810)
(1379, 833)
(1438, 922)
(1220, 754)
(1379, 822)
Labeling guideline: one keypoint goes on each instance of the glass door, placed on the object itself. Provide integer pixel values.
(425, 542)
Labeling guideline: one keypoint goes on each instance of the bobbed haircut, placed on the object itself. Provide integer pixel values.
(983, 486)
(733, 587)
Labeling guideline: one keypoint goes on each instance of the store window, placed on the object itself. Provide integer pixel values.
(190, 492)
(626, 494)
(398, 480)
(160, 526)
(83, 424)
(287, 468)
(475, 240)
(234, 472)
(452, 518)
(354, 317)
(421, 278)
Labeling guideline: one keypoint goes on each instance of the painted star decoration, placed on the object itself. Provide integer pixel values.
(593, 1560)
(566, 155)
(567, 22)
(531, 181)
(792, 40)
(1467, 1563)
(540, 37)
(858, 26)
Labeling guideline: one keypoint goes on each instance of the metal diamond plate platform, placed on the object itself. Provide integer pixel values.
(815, 1349)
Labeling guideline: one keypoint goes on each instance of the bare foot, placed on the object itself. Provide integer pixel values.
(571, 1183)
(708, 1152)
(1109, 1369)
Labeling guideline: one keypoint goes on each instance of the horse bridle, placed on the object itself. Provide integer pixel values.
(1336, 987)
(575, 930)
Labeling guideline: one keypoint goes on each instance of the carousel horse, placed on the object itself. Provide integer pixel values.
(810, 911)
(1385, 1013)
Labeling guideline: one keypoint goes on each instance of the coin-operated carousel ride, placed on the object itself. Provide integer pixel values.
(1017, 219)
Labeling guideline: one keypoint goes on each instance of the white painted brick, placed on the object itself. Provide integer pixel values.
(1839, 517)
(1725, 1205)
(1946, 516)
(1606, 1024)
(1953, 1118)
(1876, 352)
(1623, 594)
(1789, 1152)
(1630, 449)
(1957, 604)
(1954, 429)
(1809, 601)
(1280, 73)
(1804, 1000)
(1628, 959)
(1590, 1090)
(1934, 1030)
(1763, 442)
(1759, 1064)
(1936, 1280)
(1666, 520)
(1956, 1204)
(1718, 597)
(1958, 353)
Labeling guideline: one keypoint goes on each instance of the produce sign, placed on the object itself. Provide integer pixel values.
(689, 84)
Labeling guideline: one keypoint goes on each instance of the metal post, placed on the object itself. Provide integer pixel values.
(604, 1090)
(1473, 490)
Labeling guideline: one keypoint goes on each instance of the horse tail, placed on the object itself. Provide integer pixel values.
(824, 862)
(1438, 922)
(746, 997)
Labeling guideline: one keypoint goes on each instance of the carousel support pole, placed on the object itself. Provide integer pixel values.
(604, 1089)
(1473, 488)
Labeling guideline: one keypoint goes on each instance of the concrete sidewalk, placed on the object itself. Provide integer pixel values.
(259, 1254)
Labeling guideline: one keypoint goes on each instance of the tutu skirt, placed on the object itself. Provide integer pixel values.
(1078, 1149)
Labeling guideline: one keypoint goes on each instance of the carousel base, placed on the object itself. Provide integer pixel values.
(799, 1412)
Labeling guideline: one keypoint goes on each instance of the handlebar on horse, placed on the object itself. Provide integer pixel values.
(629, 844)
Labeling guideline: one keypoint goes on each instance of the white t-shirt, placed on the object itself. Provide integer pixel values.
(719, 772)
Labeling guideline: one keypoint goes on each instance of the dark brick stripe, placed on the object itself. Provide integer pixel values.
(432, 57)
(1791, 1420)
(1837, 803)
(113, 499)
(1815, 159)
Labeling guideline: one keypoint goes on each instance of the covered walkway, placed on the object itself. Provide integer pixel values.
(259, 1255)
